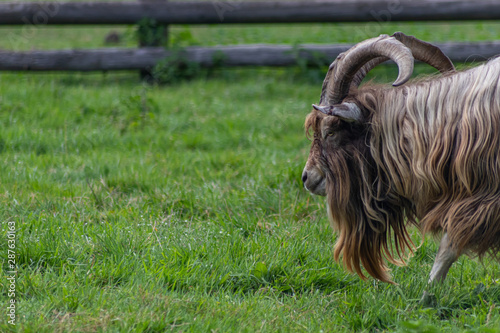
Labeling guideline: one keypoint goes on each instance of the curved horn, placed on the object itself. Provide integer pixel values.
(342, 71)
(421, 50)
(426, 52)
(363, 71)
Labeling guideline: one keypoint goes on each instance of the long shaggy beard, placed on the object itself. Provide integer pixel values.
(371, 229)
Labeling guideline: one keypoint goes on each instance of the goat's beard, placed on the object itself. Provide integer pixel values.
(365, 225)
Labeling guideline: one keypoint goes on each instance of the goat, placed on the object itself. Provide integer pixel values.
(425, 153)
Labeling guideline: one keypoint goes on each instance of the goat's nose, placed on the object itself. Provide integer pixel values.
(304, 176)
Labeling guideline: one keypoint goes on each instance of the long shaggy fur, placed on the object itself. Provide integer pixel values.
(429, 155)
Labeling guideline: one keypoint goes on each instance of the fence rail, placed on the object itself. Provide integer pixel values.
(109, 59)
(216, 12)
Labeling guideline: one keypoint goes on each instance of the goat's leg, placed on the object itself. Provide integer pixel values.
(445, 257)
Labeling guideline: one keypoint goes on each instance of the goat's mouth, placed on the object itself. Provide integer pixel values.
(316, 186)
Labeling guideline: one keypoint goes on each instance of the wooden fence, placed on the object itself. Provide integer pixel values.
(220, 11)
(109, 59)
(226, 12)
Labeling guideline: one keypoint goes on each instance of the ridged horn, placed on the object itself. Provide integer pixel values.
(426, 52)
(343, 70)
(421, 50)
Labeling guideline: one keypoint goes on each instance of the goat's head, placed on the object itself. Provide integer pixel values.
(340, 165)
(339, 121)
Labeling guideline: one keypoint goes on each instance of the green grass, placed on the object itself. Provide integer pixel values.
(180, 207)
(67, 37)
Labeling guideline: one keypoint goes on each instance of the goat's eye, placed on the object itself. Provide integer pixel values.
(330, 133)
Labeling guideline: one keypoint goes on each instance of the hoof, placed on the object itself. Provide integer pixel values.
(428, 300)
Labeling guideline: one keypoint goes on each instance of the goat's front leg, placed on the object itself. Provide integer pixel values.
(445, 257)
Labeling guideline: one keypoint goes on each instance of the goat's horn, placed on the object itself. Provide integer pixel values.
(342, 71)
(426, 52)
(361, 74)
(421, 50)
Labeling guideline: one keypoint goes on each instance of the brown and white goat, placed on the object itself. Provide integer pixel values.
(425, 153)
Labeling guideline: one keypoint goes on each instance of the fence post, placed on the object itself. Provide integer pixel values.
(151, 34)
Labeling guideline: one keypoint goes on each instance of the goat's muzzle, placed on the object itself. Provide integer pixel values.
(314, 181)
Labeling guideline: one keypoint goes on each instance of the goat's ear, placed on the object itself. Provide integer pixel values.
(348, 112)
(323, 109)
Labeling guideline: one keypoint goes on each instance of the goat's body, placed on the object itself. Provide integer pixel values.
(424, 153)
(436, 144)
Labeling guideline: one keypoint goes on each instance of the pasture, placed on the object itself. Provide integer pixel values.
(180, 207)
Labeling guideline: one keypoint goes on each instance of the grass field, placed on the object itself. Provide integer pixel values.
(180, 207)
